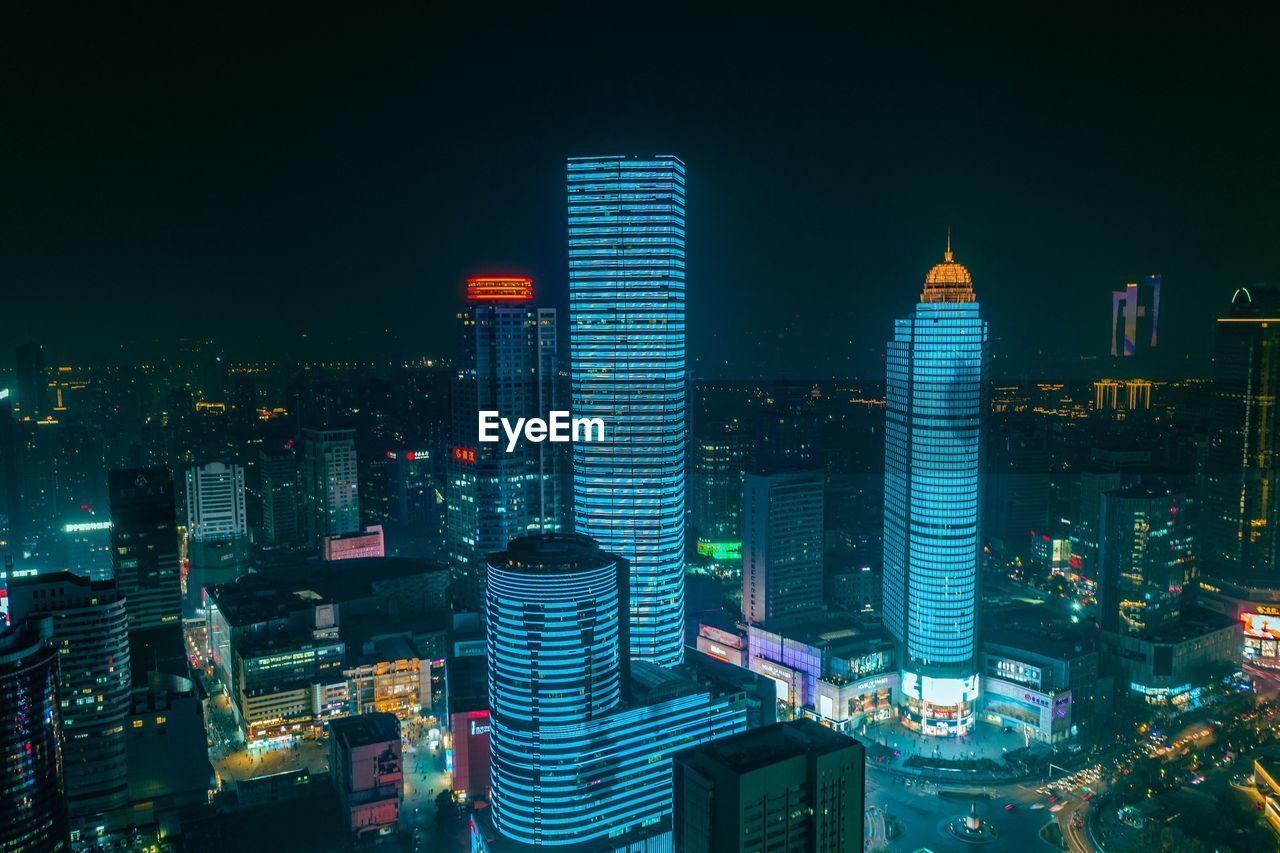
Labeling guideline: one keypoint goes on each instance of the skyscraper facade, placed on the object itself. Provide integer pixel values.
(1135, 316)
(507, 363)
(935, 403)
(718, 469)
(91, 639)
(330, 483)
(147, 568)
(215, 502)
(33, 812)
(579, 751)
(280, 497)
(781, 544)
(144, 541)
(627, 353)
(1147, 557)
(1241, 484)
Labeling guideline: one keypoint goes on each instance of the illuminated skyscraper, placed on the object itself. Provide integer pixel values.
(1242, 468)
(94, 682)
(215, 502)
(581, 737)
(1147, 557)
(1129, 306)
(935, 402)
(507, 363)
(330, 484)
(627, 351)
(33, 813)
(781, 544)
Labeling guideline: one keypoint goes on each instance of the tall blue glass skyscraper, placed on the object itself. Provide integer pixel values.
(935, 402)
(627, 352)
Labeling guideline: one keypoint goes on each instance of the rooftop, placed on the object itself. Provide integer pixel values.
(364, 729)
(760, 748)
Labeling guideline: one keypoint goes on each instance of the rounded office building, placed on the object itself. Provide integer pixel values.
(555, 615)
(935, 401)
(31, 796)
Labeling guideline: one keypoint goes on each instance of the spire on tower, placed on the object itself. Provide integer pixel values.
(946, 256)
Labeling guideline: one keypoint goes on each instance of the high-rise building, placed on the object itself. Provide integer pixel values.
(793, 787)
(781, 544)
(1241, 483)
(581, 738)
(33, 384)
(33, 810)
(90, 635)
(86, 547)
(144, 543)
(507, 363)
(627, 353)
(719, 468)
(330, 484)
(935, 404)
(280, 497)
(1129, 306)
(1147, 557)
(411, 491)
(215, 502)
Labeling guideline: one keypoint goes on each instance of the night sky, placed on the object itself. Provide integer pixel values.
(248, 179)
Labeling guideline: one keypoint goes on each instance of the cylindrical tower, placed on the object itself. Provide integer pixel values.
(31, 795)
(935, 403)
(555, 615)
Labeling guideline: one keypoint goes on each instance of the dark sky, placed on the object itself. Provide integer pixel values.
(249, 178)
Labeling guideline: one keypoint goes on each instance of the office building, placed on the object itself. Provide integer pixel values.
(718, 469)
(628, 368)
(90, 635)
(507, 363)
(411, 491)
(794, 786)
(368, 770)
(781, 544)
(281, 497)
(935, 404)
(558, 681)
(1240, 486)
(144, 541)
(1147, 558)
(330, 484)
(1135, 317)
(33, 810)
(1173, 667)
(215, 502)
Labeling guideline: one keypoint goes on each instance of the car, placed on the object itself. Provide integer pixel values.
(1053, 799)
(1009, 807)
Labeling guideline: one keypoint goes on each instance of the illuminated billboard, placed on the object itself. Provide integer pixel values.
(1261, 626)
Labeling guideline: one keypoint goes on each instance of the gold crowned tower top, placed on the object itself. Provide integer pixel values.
(948, 281)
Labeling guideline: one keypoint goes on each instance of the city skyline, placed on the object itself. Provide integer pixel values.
(843, 562)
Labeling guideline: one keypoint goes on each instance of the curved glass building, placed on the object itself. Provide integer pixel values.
(31, 794)
(627, 354)
(581, 738)
(554, 614)
(935, 404)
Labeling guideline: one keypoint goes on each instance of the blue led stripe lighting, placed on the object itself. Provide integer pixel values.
(627, 352)
(934, 398)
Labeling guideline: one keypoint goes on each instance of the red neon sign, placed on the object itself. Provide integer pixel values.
(499, 289)
(464, 454)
